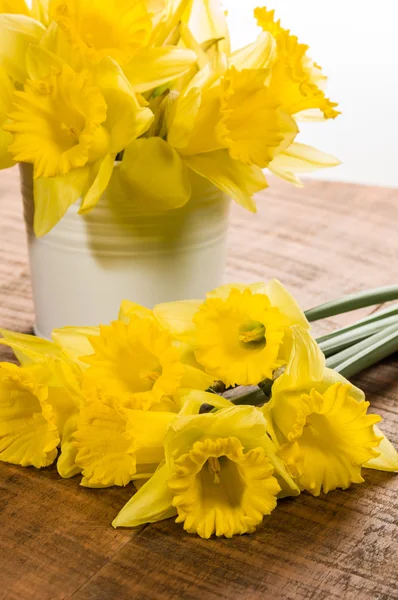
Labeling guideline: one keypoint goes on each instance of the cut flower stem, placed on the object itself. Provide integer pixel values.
(353, 302)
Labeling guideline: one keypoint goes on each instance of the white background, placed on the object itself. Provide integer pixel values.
(356, 43)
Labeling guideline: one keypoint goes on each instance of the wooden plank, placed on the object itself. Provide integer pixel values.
(56, 541)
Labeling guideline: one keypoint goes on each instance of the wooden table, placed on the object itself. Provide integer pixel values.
(56, 541)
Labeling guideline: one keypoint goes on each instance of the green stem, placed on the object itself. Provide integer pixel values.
(390, 311)
(353, 302)
(366, 353)
(347, 337)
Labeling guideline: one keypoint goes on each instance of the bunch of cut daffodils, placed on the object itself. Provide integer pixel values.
(137, 400)
(135, 96)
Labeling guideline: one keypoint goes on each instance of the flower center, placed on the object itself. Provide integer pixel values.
(151, 376)
(214, 467)
(252, 335)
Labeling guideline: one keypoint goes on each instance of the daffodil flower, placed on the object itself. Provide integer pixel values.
(320, 422)
(32, 415)
(219, 475)
(116, 445)
(71, 126)
(138, 362)
(240, 334)
(96, 29)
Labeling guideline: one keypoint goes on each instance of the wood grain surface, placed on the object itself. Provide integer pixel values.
(56, 541)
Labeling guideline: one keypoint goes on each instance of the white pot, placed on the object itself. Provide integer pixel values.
(86, 266)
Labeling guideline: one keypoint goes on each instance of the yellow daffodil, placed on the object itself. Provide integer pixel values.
(218, 476)
(240, 334)
(99, 29)
(71, 126)
(28, 434)
(18, 34)
(116, 445)
(138, 362)
(294, 76)
(123, 31)
(33, 414)
(321, 424)
(253, 126)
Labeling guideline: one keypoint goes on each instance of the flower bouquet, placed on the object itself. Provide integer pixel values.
(160, 398)
(134, 123)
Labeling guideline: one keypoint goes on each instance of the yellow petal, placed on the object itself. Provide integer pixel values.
(258, 55)
(74, 341)
(53, 196)
(153, 174)
(298, 159)
(177, 318)
(28, 348)
(203, 135)
(305, 366)
(101, 174)
(40, 10)
(182, 119)
(190, 401)
(287, 304)
(388, 458)
(40, 62)
(234, 178)
(17, 33)
(151, 67)
(129, 309)
(331, 377)
(6, 160)
(206, 20)
(196, 378)
(126, 119)
(152, 502)
(66, 464)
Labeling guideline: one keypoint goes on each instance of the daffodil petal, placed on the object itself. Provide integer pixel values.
(177, 318)
(151, 67)
(280, 297)
(206, 20)
(196, 379)
(53, 196)
(152, 502)
(101, 174)
(40, 62)
(153, 173)
(18, 32)
(75, 341)
(6, 160)
(298, 159)
(258, 55)
(305, 366)
(40, 10)
(129, 309)
(388, 458)
(234, 178)
(28, 348)
(66, 464)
